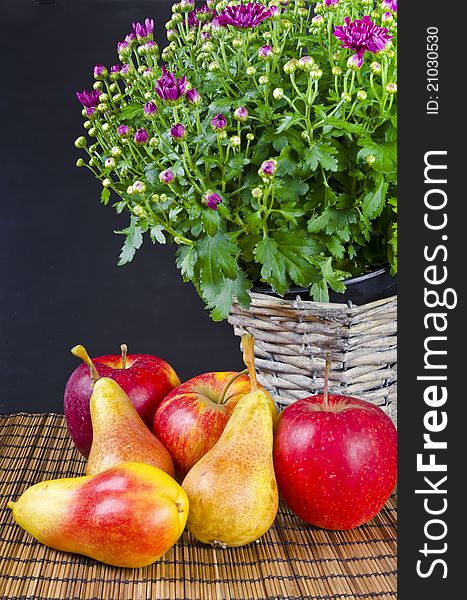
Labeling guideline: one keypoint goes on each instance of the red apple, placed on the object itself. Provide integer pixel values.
(146, 379)
(335, 460)
(190, 420)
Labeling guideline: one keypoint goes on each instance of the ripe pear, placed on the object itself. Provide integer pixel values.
(119, 433)
(127, 516)
(232, 489)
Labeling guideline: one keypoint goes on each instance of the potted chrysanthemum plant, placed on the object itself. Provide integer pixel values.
(261, 141)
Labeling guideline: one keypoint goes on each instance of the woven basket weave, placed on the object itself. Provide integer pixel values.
(293, 338)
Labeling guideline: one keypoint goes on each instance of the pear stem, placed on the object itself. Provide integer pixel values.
(11, 504)
(124, 350)
(248, 343)
(229, 383)
(80, 352)
(327, 368)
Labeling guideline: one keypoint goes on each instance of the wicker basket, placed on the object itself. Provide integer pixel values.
(293, 338)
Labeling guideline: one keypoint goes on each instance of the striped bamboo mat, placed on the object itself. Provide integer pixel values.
(292, 561)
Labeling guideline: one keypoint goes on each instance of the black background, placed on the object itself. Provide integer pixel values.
(59, 281)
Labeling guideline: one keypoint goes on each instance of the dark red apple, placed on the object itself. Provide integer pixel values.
(146, 379)
(335, 460)
(190, 420)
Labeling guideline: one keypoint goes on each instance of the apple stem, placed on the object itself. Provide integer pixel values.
(327, 368)
(124, 350)
(248, 343)
(229, 383)
(80, 352)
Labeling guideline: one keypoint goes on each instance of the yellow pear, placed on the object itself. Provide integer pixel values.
(127, 516)
(119, 434)
(232, 489)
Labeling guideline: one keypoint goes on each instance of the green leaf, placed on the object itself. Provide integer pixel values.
(373, 202)
(332, 220)
(287, 122)
(151, 172)
(287, 257)
(321, 154)
(290, 188)
(211, 220)
(131, 111)
(280, 142)
(133, 241)
(105, 195)
(384, 152)
(186, 260)
(238, 162)
(157, 234)
(221, 303)
(217, 260)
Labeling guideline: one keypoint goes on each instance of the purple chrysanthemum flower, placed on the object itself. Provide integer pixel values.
(131, 37)
(166, 176)
(125, 69)
(361, 35)
(219, 122)
(332, 2)
(241, 113)
(115, 68)
(390, 5)
(169, 87)
(193, 96)
(150, 108)
(268, 168)
(142, 31)
(245, 16)
(141, 136)
(211, 200)
(178, 131)
(265, 52)
(205, 35)
(123, 130)
(89, 100)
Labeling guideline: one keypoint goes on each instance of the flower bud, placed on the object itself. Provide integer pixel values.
(105, 127)
(317, 21)
(150, 109)
(110, 163)
(166, 176)
(211, 200)
(100, 72)
(250, 137)
(167, 54)
(107, 182)
(278, 93)
(257, 192)
(268, 169)
(139, 187)
(241, 114)
(235, 141)
(302, 12)
(222, 135)
(177, 18)
(92, 162)
(355, 62)
(370, 159)
(93, 148)
(391, 87)
(219, 122)
(155, 198)
(87, 124)
(316, 74)
(92, 132)
(362, 95)
(375, 68)
(113, 87)
(237, 42)
(265, 52)
(251, 71)
(178, 131)
(116, 151)
(81, 142)
(139, 211)
(123, 130)
(306, 63)
(102, 107)
(267, 35)
(263, 80)
(387, 18)
(163, 197)
(291, 66)
(213, 67)
(154, 142)
(207, 47)
(390, 53)
(172, 35)
(336, 56)
(346, 97)
(80, 162)
(192, 96)
(141, 136)
(129, 190)
(336, 71)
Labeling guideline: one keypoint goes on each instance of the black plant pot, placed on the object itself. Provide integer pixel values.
(360, 290)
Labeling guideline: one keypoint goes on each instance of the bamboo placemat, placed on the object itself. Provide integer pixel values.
(292, 561)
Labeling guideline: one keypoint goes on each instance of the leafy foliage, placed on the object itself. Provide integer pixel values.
(300, 185)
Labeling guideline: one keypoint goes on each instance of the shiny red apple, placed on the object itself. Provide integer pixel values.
(146, 379)
(190, 420)
(335, 460)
